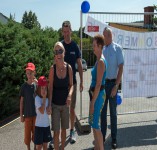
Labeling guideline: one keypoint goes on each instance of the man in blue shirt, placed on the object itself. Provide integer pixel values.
(114, 57)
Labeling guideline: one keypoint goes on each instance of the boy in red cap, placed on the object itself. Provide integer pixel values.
(27, 104)
(42, 124)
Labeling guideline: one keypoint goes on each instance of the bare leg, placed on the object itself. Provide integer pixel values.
(99, 139)
(56, 140)
(63, 138)
(38, 147)
(44, 146)
(28, 147)
(96, 140)
(72, 117)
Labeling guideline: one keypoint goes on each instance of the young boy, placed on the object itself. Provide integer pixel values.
(27, 104)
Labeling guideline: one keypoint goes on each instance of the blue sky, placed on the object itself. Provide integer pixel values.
(52, 13)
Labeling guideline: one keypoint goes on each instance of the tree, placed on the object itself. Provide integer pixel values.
(155, 18)
(30, 21)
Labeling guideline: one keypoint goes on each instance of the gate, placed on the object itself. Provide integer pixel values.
(137, 22)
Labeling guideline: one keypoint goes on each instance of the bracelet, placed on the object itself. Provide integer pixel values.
(116, 85)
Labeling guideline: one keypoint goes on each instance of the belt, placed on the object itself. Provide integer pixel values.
(110, 80)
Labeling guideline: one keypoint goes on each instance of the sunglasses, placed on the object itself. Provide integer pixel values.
(57, 52)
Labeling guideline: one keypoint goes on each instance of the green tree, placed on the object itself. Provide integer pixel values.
(29, 20)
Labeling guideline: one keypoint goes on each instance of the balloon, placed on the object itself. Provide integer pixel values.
(85, 6)
(119, 99)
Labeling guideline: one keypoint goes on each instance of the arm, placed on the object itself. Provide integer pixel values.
(42, 108)
(70, 85)
(100, 72)
(50, 86)
(80, 70)
(21, 109)
(118, 80)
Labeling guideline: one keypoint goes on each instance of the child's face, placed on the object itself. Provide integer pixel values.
(44, 91)
(30, 75)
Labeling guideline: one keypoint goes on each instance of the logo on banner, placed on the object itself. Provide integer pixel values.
(93, 28)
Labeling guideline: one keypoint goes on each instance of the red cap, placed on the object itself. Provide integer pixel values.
(30, 66)
(42, 81)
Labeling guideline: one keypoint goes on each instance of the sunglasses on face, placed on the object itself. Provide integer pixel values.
(57, 52)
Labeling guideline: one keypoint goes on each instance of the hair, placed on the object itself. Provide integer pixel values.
(38, 91)
(60, 45)
(99, 39)
(66, 24)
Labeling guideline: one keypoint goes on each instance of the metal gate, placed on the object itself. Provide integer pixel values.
(137, 22)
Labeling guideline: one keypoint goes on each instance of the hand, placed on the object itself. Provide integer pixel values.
(68, 101)
(81, 86)
(22, 119)
(114, 91)
(91, 108)
(48, 110)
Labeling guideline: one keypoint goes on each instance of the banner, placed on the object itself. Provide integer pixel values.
(140, 73)
(127, 39)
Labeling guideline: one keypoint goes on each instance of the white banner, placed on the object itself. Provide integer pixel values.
(140, 73)
(127, 39)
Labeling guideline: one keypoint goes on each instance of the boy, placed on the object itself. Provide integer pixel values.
(27, 104)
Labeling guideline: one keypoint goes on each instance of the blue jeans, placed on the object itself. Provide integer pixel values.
(113, 112)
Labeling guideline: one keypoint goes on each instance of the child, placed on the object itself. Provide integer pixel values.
(42, 124)
(27, 105)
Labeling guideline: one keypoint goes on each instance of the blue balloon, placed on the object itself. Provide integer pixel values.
(85, 6)
(119, 99)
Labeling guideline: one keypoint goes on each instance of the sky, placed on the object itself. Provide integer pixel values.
(51, 13)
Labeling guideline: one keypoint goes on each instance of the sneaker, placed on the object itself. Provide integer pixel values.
(114, 144)
(51, 145)
(72, 136)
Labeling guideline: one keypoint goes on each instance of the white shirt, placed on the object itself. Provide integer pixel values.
(42, 120)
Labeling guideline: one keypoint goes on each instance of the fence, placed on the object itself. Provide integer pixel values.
(137, 22)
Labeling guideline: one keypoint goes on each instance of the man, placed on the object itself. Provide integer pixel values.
(72, 56)
(114, 57)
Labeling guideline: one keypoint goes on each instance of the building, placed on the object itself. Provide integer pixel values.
(145, 25)
(3, 19)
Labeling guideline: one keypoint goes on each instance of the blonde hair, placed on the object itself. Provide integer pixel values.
(60, 45)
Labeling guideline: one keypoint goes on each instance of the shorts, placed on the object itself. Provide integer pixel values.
(94, 119)
(42, 135)
(73, 97)
(60, 115)
(29, 129)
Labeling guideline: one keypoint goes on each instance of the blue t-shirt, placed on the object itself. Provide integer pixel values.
(114, 57)
(94, 74)
(72, 53)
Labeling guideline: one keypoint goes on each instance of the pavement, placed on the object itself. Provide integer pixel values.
(136, 131)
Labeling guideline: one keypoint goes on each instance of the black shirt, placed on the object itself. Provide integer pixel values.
(28, 93)
(72, 53)
(60, 88)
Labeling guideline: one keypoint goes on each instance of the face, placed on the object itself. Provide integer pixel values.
(59, 53)
(44, 91)
(107, 37)
(66, 32)
(30, 75)
(95, 47)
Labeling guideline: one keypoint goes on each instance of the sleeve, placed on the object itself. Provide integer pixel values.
(78, 52)
(120, 57)
(37, 102)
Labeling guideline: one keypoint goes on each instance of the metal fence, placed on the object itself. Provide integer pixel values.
(137, 22)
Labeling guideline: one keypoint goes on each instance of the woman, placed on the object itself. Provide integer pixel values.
(60, 91)
(97, 91)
